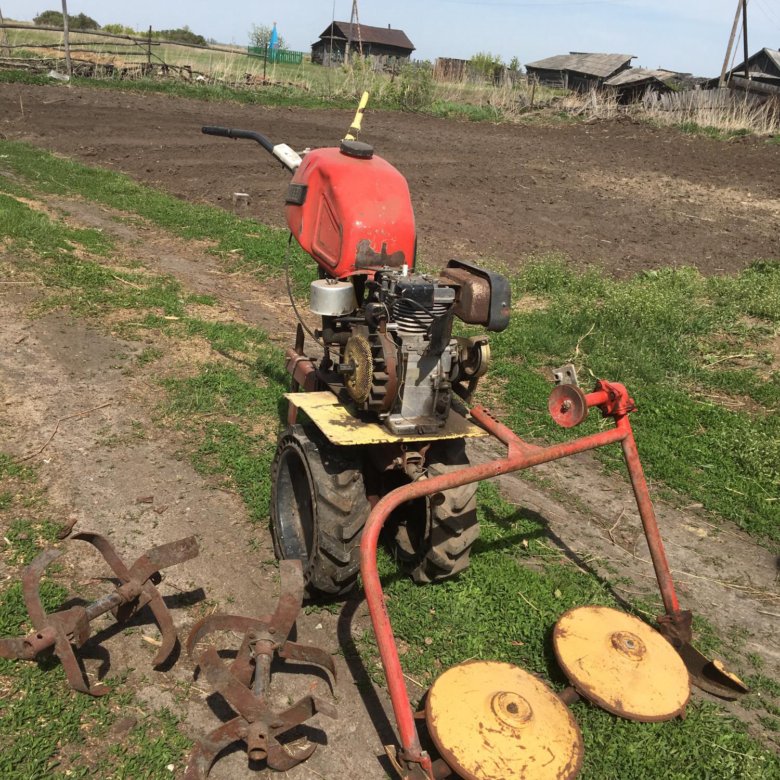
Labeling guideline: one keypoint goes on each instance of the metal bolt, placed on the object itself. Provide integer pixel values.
(565, 406)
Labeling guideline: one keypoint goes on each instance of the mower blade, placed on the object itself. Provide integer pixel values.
(711, 676)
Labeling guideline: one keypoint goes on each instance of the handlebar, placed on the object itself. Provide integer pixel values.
(229, 132)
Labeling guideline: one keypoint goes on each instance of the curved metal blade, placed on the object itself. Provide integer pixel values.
(31, 580)
(207, 749)
(711, 676)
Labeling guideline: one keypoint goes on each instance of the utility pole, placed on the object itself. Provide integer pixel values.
(354, 19)
(726, 59)
(4, 38)
(744, 37)
(66, 38)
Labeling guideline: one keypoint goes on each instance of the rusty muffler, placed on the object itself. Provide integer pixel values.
(245, 683)
(70, 628)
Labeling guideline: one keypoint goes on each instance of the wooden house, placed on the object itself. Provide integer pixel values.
(383, 42)
(763, 73)
(579, 71)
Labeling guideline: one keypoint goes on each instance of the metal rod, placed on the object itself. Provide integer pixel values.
(649, 522)
(520, 455)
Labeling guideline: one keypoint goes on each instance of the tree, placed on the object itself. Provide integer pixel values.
(54, 19)
(260, 36)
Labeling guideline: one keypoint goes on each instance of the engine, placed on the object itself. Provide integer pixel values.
(389, 343)
(386, 331)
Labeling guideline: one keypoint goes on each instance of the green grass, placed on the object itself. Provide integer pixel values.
(262, 247)
(708, 419)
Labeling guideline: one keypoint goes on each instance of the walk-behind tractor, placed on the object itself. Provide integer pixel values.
(376, 446)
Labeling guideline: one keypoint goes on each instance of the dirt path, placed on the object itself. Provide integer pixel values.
(624, 196)
(98, 466)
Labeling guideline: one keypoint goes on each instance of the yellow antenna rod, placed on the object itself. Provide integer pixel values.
(354, 128)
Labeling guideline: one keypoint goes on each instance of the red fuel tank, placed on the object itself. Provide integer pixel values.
(351, 211)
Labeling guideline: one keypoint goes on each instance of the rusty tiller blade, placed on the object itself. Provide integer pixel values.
(244, 683)
(70, 628)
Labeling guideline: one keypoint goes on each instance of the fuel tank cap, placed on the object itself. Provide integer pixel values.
(357, 149)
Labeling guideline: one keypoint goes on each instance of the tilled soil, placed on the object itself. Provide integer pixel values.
(624, 196)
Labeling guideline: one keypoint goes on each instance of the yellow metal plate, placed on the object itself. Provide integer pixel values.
(494, 721)
(621, 664)
(344, 428)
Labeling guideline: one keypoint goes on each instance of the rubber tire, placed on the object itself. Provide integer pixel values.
(318, 509)
(452, 524)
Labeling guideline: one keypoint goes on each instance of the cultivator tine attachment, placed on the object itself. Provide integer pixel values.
(70, 628)
(244, 684)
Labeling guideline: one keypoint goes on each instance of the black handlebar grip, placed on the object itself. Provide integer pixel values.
(229, 132)
(223, 131)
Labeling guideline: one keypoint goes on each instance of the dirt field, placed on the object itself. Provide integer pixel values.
(628, 197)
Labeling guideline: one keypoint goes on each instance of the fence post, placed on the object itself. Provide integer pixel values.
(66, 39)
(149, 51)
(4, 38)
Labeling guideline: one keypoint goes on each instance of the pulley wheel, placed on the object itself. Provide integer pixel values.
(494, 721)
(567, 405)
(621, 664)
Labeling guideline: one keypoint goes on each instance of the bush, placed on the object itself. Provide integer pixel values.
(487, 65)
(54, 19)
(413, 89)
(119, 29)
(181, 34)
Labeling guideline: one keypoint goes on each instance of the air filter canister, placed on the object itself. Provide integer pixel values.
(332, 298)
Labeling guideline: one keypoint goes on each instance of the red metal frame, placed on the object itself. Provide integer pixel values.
(614, 401)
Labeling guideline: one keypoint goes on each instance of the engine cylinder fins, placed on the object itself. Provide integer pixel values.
(358, 354)
(492, 721)
(621, 664)
(412, 317)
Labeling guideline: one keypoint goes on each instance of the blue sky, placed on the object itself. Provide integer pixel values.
(684, 35)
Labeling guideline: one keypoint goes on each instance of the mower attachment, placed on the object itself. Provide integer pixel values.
(244, 684)
(70, 628)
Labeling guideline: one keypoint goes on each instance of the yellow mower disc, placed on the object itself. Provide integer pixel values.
(621, 664)
(494, 721)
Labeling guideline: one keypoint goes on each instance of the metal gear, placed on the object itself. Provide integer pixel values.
(358, 353)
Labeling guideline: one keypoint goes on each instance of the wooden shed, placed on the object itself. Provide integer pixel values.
(763, 73)
(581, 71)
(633, 83)
(375, 41)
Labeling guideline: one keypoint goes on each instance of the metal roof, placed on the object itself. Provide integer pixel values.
(601, 65)
(381, 35)
(773, 55)
(638, 75)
